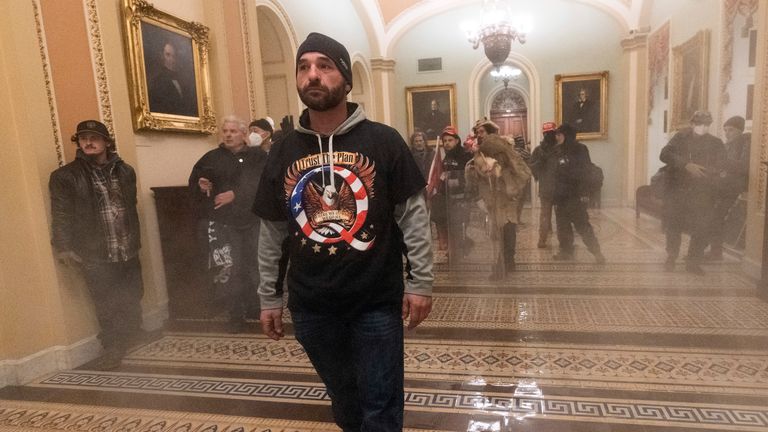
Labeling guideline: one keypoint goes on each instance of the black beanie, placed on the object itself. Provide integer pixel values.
(262, 124)
(735, 121)
(335, 51)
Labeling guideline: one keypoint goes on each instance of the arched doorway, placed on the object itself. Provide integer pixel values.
(277, 65)
(510, 112)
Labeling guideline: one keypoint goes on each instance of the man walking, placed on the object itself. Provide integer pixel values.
(544, 168)
(226, 179)
(349, 197)
(572, 195)
(95, 229)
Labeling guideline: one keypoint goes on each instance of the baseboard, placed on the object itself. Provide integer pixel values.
(27, 369)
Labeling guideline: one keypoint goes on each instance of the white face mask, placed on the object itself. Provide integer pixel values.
(700, 129)
(254, 139)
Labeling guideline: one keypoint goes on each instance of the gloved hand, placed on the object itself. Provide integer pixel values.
(286, 124)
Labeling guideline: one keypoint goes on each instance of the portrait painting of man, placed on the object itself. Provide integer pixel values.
(430, 109)
(170, 71)
(581, 104)
(581, 101)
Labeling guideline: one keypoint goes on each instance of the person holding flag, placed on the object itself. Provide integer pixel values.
(446, 184)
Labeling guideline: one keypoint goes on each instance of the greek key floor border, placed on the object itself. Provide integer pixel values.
(430, 400)
(617, 367)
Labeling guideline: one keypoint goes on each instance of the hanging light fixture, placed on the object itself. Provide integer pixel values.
(506, 73)
(496, 32)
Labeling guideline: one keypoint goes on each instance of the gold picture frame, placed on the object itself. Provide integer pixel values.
(690, 79)
(168, 72)
(588, 116)
(421, 113)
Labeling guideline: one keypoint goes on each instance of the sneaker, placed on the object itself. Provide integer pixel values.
(692, 267)
(562, 256)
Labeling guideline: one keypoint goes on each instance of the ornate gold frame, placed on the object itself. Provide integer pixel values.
(595, 80)
(690, 79)
(136, 12)
(441, 91)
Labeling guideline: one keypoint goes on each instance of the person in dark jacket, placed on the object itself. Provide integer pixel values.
(733, 181)
(422, 153)
(449, 207)
(694, 161)
(95, 229)
(543, 167)
(225, 181)
(348, 197)
(572, 195)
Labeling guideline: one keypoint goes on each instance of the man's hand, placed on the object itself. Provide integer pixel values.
(69, 258)
(416, 307)
(272, 323)
(205, 186)
(695, 170)
(223, 199)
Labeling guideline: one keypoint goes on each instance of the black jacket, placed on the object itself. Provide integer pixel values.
(544, 166)
(239, 172)
(573, 162)
(76, 222)
(705, 150)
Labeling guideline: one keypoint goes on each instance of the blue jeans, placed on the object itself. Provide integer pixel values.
(360, 361)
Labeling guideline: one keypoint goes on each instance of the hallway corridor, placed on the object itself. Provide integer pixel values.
(558, 346)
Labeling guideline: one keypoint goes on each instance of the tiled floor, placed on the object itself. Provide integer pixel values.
(557, 346)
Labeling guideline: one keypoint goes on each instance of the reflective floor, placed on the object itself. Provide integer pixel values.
(574, 346)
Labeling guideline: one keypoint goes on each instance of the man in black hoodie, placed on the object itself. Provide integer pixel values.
(95, 229)
(572, 195)
(348, 196)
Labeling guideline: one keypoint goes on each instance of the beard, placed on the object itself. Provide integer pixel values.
(329, 97)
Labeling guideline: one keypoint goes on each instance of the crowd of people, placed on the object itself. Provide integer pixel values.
(329, 209)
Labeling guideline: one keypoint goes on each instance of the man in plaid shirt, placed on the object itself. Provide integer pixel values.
(96, 230)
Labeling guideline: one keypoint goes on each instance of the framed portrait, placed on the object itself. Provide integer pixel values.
(690, 78)
(581, 100)
(430, 109)
(168, 70)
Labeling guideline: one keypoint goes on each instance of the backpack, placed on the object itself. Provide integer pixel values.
(594, 177)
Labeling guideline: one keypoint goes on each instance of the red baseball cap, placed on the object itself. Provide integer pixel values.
(548, 127)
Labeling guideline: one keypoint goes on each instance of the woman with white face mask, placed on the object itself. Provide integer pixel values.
(694, 161)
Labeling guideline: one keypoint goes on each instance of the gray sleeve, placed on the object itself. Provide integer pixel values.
(271, 236)
(413, 220)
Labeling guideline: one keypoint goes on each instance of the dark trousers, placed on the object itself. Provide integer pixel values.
(116, 290)
(244, 277)
(690, 210)
(723, 205)
(360, 361)
(570, 214)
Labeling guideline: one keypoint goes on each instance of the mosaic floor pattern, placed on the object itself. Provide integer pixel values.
(557, 346)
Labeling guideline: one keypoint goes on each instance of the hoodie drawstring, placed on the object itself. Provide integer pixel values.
(330, 154)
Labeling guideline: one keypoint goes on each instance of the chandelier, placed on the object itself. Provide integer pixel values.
(496, 32)
(505, 74)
